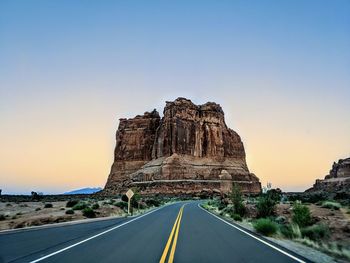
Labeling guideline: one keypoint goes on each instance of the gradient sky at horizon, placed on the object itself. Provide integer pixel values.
(70, 69)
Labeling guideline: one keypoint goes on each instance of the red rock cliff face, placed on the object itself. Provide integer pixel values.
(189, 151)
(134, 142)
(198, 131)
(338, 179)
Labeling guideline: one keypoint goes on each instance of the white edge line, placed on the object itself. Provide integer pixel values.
(102, 233)
(262, 241)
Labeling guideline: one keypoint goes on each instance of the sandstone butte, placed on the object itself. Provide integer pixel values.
(337, 180)
(189, 151)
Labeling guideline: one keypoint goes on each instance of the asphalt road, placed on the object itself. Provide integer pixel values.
(181, 232)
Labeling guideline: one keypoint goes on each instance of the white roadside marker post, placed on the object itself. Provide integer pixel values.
(129, 195)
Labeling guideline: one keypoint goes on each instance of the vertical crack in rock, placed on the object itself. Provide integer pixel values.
(189, 151)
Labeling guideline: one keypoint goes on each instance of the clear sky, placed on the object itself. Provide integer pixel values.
(70, 69)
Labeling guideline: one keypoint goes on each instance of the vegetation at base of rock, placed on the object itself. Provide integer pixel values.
(331, 205)
(301, 215)
(88, 212)
(48, 205)
(296, 222)
(2, 217)
(237, 200)
(315, 232)
(281, 220)
(125, 198)
(95, 206)
(288, 232)
(80, 206)
(70, 212)
(152, 202)
(37, 209)
(266, 205)
(236, 217)
(308, 197)
(72, 203)
(122, 205)
(265, 226)
(109, 202)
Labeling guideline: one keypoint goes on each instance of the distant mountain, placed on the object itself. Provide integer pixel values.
(87, 190)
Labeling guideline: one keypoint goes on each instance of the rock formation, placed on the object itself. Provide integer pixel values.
(337, 180)
(189, 151)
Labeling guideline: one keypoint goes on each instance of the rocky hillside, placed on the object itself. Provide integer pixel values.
(188, 151)
(338, 179)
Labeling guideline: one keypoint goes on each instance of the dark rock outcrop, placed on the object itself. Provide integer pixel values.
(188, 151)
(338, 179)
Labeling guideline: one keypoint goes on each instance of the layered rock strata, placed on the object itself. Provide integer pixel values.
(189, 151)
(337, 180)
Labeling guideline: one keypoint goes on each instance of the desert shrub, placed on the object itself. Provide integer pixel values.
(274, 194)
(79, 206)
(37, 209)
(142, 205)
(265, 226)
(72, 203)
(95, 206)
(88, 212)
(214, 202)
(331, 205)
(281, 220)
(125, 198)
(290, 231)
(134, 203)
(48, 205)
(237, 200)
(152, 202)
(135, 200)
(2, 217)
(122, 205)
(301, 215)
(309, 197)
(236, 217)
(221, 206)
(8, 204)
(70, 212)
(343, 195)
(36, 196)
(228, 210)
(287, 231)
(266, 206)
(315, 232)
(204, 195)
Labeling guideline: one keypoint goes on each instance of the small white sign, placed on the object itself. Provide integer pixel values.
(129, 194)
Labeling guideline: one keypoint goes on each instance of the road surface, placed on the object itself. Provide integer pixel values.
(181, 232)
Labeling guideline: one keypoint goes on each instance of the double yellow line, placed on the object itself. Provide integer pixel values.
(175, 230)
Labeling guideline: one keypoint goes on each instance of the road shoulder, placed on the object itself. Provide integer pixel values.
(299, 250)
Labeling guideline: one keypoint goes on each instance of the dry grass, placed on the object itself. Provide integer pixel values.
(330, 248)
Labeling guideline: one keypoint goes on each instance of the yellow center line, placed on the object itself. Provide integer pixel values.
(166, 249)
(172, 252)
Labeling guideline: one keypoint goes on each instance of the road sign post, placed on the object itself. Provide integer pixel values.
(129, 194)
